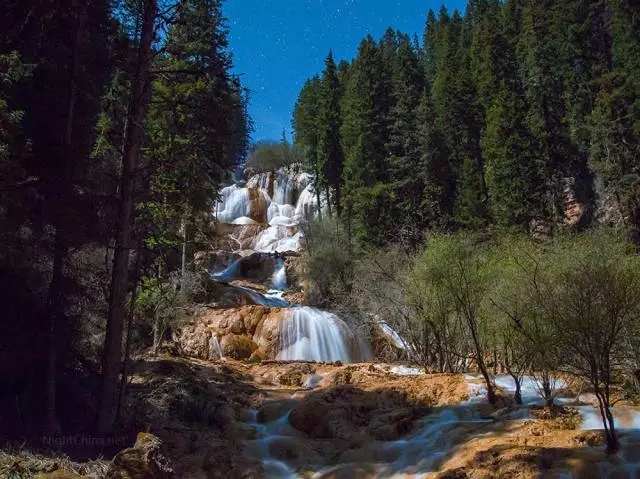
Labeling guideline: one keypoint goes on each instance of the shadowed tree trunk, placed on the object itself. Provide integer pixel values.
(61, 193)
(138, 105)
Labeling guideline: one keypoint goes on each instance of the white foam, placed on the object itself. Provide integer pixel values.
(406, 371)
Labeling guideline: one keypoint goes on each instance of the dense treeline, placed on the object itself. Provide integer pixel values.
(118, 122)
(495, 117)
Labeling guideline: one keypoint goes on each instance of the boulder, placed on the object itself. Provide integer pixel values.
(258, 355)
(353, 415)
(209, 261)
(145, 460)
(295, 374)
(235, 346)
(224, 461)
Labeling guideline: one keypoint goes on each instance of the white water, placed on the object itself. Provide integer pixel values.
(294, 200)
(235, 206)
(406, 371)
(215, 351)
(313, 335)
(278, 239)
(279, 278)
(392, 334)
(229, 273)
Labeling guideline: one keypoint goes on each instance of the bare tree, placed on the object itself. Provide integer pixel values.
(595, 307)
(458, 268)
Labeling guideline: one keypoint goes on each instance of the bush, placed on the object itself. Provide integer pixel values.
(269, 156)
(328, 261)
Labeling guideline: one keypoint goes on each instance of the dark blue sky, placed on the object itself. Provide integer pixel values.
(278, 44)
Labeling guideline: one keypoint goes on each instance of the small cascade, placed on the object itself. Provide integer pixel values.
(279, 278)
(313, 335)
(242, 205)
(278, 238)
(230, 272)
(271, 299)
(215, 351)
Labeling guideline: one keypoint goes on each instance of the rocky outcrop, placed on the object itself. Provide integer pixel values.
(541, 229)
(208, 261)
(576, 212)
(237, 346)
(350, 414)
(225, 296)
(224, 461)
(145, 460)
(249, 332)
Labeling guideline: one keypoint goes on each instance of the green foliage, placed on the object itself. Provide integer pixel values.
(329, 260)
(330, 154)
(487, 121)
(269, 156)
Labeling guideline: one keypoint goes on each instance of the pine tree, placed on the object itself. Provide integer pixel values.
(364, 134)
(403, 146)
(615, 120)
(330, 155)
(306, 130)
(511, 173)
(541, 71)
(436, 171)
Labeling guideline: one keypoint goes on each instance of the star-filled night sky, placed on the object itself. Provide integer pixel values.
(278, 44)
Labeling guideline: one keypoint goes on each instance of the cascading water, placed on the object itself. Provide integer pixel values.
(279, 278)
(215, 351)
(283, 199)
(314, 335)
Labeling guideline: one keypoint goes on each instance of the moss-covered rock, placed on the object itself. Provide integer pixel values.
(145, 460)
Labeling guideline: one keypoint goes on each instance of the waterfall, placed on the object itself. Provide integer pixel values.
(230, 272)
(279, 278)
(309, 334)
(215, 351)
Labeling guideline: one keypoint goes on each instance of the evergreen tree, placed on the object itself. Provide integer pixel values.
(305, 127)
(364, 134)
(541, 71)
(615, 120)
(511, 174)
(436, 171)
(330, 155)
(403, 146)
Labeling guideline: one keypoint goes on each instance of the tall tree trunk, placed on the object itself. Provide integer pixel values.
(138, 105)
(127, 342)
(62, 192)
(183, 266)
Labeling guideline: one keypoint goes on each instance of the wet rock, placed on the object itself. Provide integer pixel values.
(295, 374)
(252, 317)
(224, 461)
(391, 425)
(237, 347)
(459, 473)
(291, 450)
(257, 267)
(209, 261)
(274, 410)
(145, 460)
(351, 414)
(258, 355)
